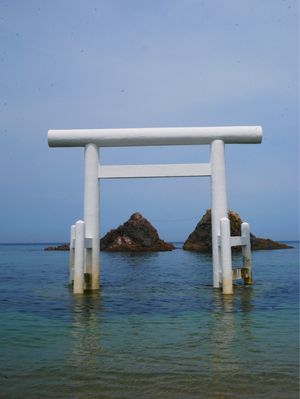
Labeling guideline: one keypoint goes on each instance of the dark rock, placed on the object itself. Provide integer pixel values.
(137, 234)
(265, 243)
(62, 247)
(200, 238)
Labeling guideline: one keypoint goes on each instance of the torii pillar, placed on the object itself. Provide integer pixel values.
(91, 211)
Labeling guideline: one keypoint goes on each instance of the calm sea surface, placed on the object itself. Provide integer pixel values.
(155, 330)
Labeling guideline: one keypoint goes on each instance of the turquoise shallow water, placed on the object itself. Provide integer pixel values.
(155, 330)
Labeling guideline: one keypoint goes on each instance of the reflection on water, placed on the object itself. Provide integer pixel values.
(85, 329)
(155, 330)
(227, 331)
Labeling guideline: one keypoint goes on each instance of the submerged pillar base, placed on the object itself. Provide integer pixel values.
(246, 275)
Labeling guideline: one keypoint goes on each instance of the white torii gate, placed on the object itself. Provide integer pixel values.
(84, 243)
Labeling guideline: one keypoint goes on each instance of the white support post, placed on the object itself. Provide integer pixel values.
(226, 256)
(149, 171)
(246, 251)
(71, 254)
(91, 212)
(79, 258)
(218, 203)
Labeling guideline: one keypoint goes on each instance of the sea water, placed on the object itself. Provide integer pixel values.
(156, 329)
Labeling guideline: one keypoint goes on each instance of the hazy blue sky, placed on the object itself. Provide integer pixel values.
(138, 63)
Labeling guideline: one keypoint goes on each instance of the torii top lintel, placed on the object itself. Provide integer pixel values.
(154, 136)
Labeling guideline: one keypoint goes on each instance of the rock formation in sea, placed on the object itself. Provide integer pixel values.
(61, 247)
(137, 234)
(200, 238)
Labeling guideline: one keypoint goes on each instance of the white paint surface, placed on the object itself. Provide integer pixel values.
(91, 211)
(71, 254)
(218, 203)
(154, 136)
(236, 241)
(79, 258)
(226, 256)
(246, 250)
(142, 171)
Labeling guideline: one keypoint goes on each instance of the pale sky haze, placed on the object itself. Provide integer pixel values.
(137, 63)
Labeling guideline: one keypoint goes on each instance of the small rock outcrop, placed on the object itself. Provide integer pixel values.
(200, 238)
(137, 234)
(62, 247)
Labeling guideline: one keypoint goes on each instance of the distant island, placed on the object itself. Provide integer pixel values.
(137, 234)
